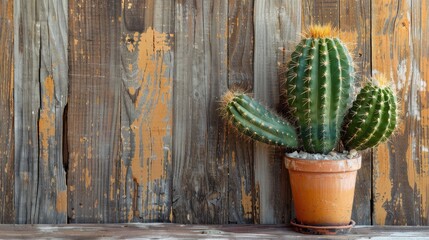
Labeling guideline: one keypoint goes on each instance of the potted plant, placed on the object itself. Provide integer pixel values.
(324, 112)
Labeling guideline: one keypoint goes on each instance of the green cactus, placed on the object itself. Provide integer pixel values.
(372, 118)
(258, 123)
(319, 86)
(319, 83)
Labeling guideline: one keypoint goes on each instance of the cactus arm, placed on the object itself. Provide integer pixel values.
(269, 127)
(387, 123)
(255, 110)
(382, 126)
(255, 121)
(252, 131)
(373, 124)
(372, 118)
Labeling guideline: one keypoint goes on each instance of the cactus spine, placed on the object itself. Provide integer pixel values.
(319, 83)
(257, 122)
(372, 118)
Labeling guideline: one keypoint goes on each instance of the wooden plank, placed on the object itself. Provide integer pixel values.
(41, 84)
(7, 208)
(276, 26)
(146, 111)
(200, 176)
(355, 31)
(400, 50)
(238, 154)
(179, 231)
(321, 12)
(93, 132)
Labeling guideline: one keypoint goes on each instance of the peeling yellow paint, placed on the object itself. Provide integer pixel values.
(87, 178)
(47, 118)
(233, 160)
(132, 90)
(112, 188)
(256, 216)
(383, 185)
(424, 142)
(246, 200)
(61, 202)
(152, 105)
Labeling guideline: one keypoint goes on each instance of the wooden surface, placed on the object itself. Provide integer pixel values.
(200, 176)
(177, 231)
(146, 114)
(93, 116)
(40, 90)
(401, 168)
(7, 164)
(110, 108)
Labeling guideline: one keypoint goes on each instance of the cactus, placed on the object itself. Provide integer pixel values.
(319, 86)
(257, 122)
(372, 118)
(319, 83)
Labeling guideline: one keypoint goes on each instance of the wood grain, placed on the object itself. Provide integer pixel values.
(41, 82)
(7, 176)
(146, 112)
(400, 51)
(243, 205)
(321, 12)
(200, 176)
(180, 231)
(276, 26)
(355, 31)
(93, 132)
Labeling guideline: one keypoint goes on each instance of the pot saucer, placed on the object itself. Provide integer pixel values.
(322, 230)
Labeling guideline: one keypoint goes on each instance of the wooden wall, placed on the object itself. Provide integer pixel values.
(109, 108)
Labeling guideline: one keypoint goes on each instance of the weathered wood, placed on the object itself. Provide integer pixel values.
(200, 173)
(177, 231)
(93, 131)
(400, 51)
(321, 12)
(276, 26)
(135, 152)
(7, 176)
(146, 112)
(242, 203)
(41, 83)
(355, 31)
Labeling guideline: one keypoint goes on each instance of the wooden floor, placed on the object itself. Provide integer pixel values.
(178, 231)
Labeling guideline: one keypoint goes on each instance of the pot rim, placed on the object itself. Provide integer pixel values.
(323, 166)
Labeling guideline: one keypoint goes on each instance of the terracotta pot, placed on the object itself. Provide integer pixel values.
(323, 190)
